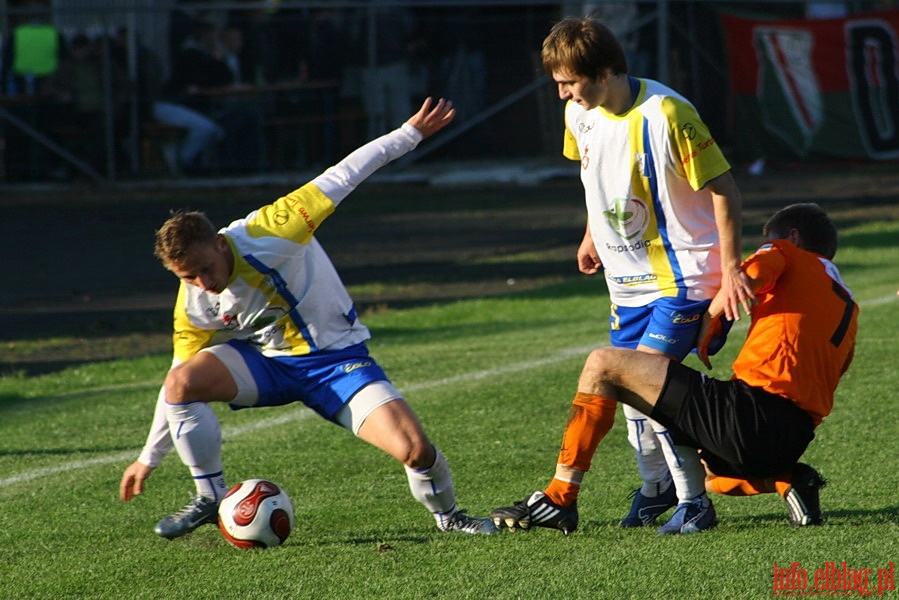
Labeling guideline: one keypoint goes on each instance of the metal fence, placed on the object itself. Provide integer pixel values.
(299, 83)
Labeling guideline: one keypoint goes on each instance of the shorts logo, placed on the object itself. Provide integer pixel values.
(349, 368)
(682, 319)
(628, 216)
(663, 338)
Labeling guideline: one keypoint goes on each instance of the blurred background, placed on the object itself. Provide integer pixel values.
(111, 90)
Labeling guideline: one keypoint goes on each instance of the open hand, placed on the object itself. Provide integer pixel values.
(431, 117)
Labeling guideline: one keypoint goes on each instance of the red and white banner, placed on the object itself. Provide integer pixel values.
(817, 87)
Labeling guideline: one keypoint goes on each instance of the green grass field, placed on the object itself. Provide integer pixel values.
(492, 379)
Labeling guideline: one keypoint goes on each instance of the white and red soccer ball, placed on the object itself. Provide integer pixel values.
(256, 513)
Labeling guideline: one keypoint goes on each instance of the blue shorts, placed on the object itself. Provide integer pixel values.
(669, 325)
(324, 381)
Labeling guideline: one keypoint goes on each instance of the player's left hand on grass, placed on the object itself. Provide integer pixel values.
(133, 478)
(431, 117)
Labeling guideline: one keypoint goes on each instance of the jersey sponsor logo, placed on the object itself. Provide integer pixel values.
(213, 309)
(281, 217)
(698, 148)
(229, 320)
(310, 224)
(689, 130)
(269, 315)
(632, 279)
(629, 217)
(638, 245)
(679, 318)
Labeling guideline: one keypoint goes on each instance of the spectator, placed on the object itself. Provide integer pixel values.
(386, 78)
(201, 64)
(85, 97)
(202, 133)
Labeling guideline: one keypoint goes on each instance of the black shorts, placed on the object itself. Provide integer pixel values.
(740, 430)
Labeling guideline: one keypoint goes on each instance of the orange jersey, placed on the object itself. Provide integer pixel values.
(802, 335)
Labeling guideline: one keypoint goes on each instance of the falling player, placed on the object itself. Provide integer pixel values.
(751, 430)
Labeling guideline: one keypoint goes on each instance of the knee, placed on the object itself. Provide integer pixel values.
(178, 385)
(596, 367)
(420, 454)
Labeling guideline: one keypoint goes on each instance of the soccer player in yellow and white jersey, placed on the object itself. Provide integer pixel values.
(262, 319)
(663, 223)
(751, 430)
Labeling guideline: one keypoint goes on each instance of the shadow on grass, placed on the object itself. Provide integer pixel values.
(832, 518)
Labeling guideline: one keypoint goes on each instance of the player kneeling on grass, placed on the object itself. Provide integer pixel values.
(294, 335)
(751, 430)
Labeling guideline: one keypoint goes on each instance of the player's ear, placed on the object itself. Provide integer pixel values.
(795, 237)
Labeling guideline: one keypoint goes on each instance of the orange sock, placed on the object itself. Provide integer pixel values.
(783, 482)
(563, 493)
(590, 419)
(730, 486)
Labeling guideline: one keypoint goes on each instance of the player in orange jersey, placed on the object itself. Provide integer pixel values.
(750, 430)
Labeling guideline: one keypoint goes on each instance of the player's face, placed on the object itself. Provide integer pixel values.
(579, 89)
(207, 266)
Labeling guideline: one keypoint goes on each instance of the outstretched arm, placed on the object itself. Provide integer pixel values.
(431, 117)
(340, 180)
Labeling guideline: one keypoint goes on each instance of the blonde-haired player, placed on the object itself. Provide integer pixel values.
(262, 319)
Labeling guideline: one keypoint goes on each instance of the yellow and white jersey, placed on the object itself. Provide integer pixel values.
(643, 172)
(285, 296)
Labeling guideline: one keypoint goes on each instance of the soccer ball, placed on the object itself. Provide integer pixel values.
(256, 513)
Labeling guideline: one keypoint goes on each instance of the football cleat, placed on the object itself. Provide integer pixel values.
(645, 511)
(199, 511)
(691, 517)
(536, 510)
(802, 497)
(463, 523)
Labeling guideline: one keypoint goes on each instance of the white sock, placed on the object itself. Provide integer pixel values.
(198, 439)
(433, 487)
(651, 461)
(685, 467)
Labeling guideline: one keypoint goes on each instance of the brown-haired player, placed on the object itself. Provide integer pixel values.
(663, 226)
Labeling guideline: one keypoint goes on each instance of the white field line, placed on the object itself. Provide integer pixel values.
(293, 415)
(230, 432)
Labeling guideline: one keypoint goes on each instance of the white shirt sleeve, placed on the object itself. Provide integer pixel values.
(340, 180)
(159, 441)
